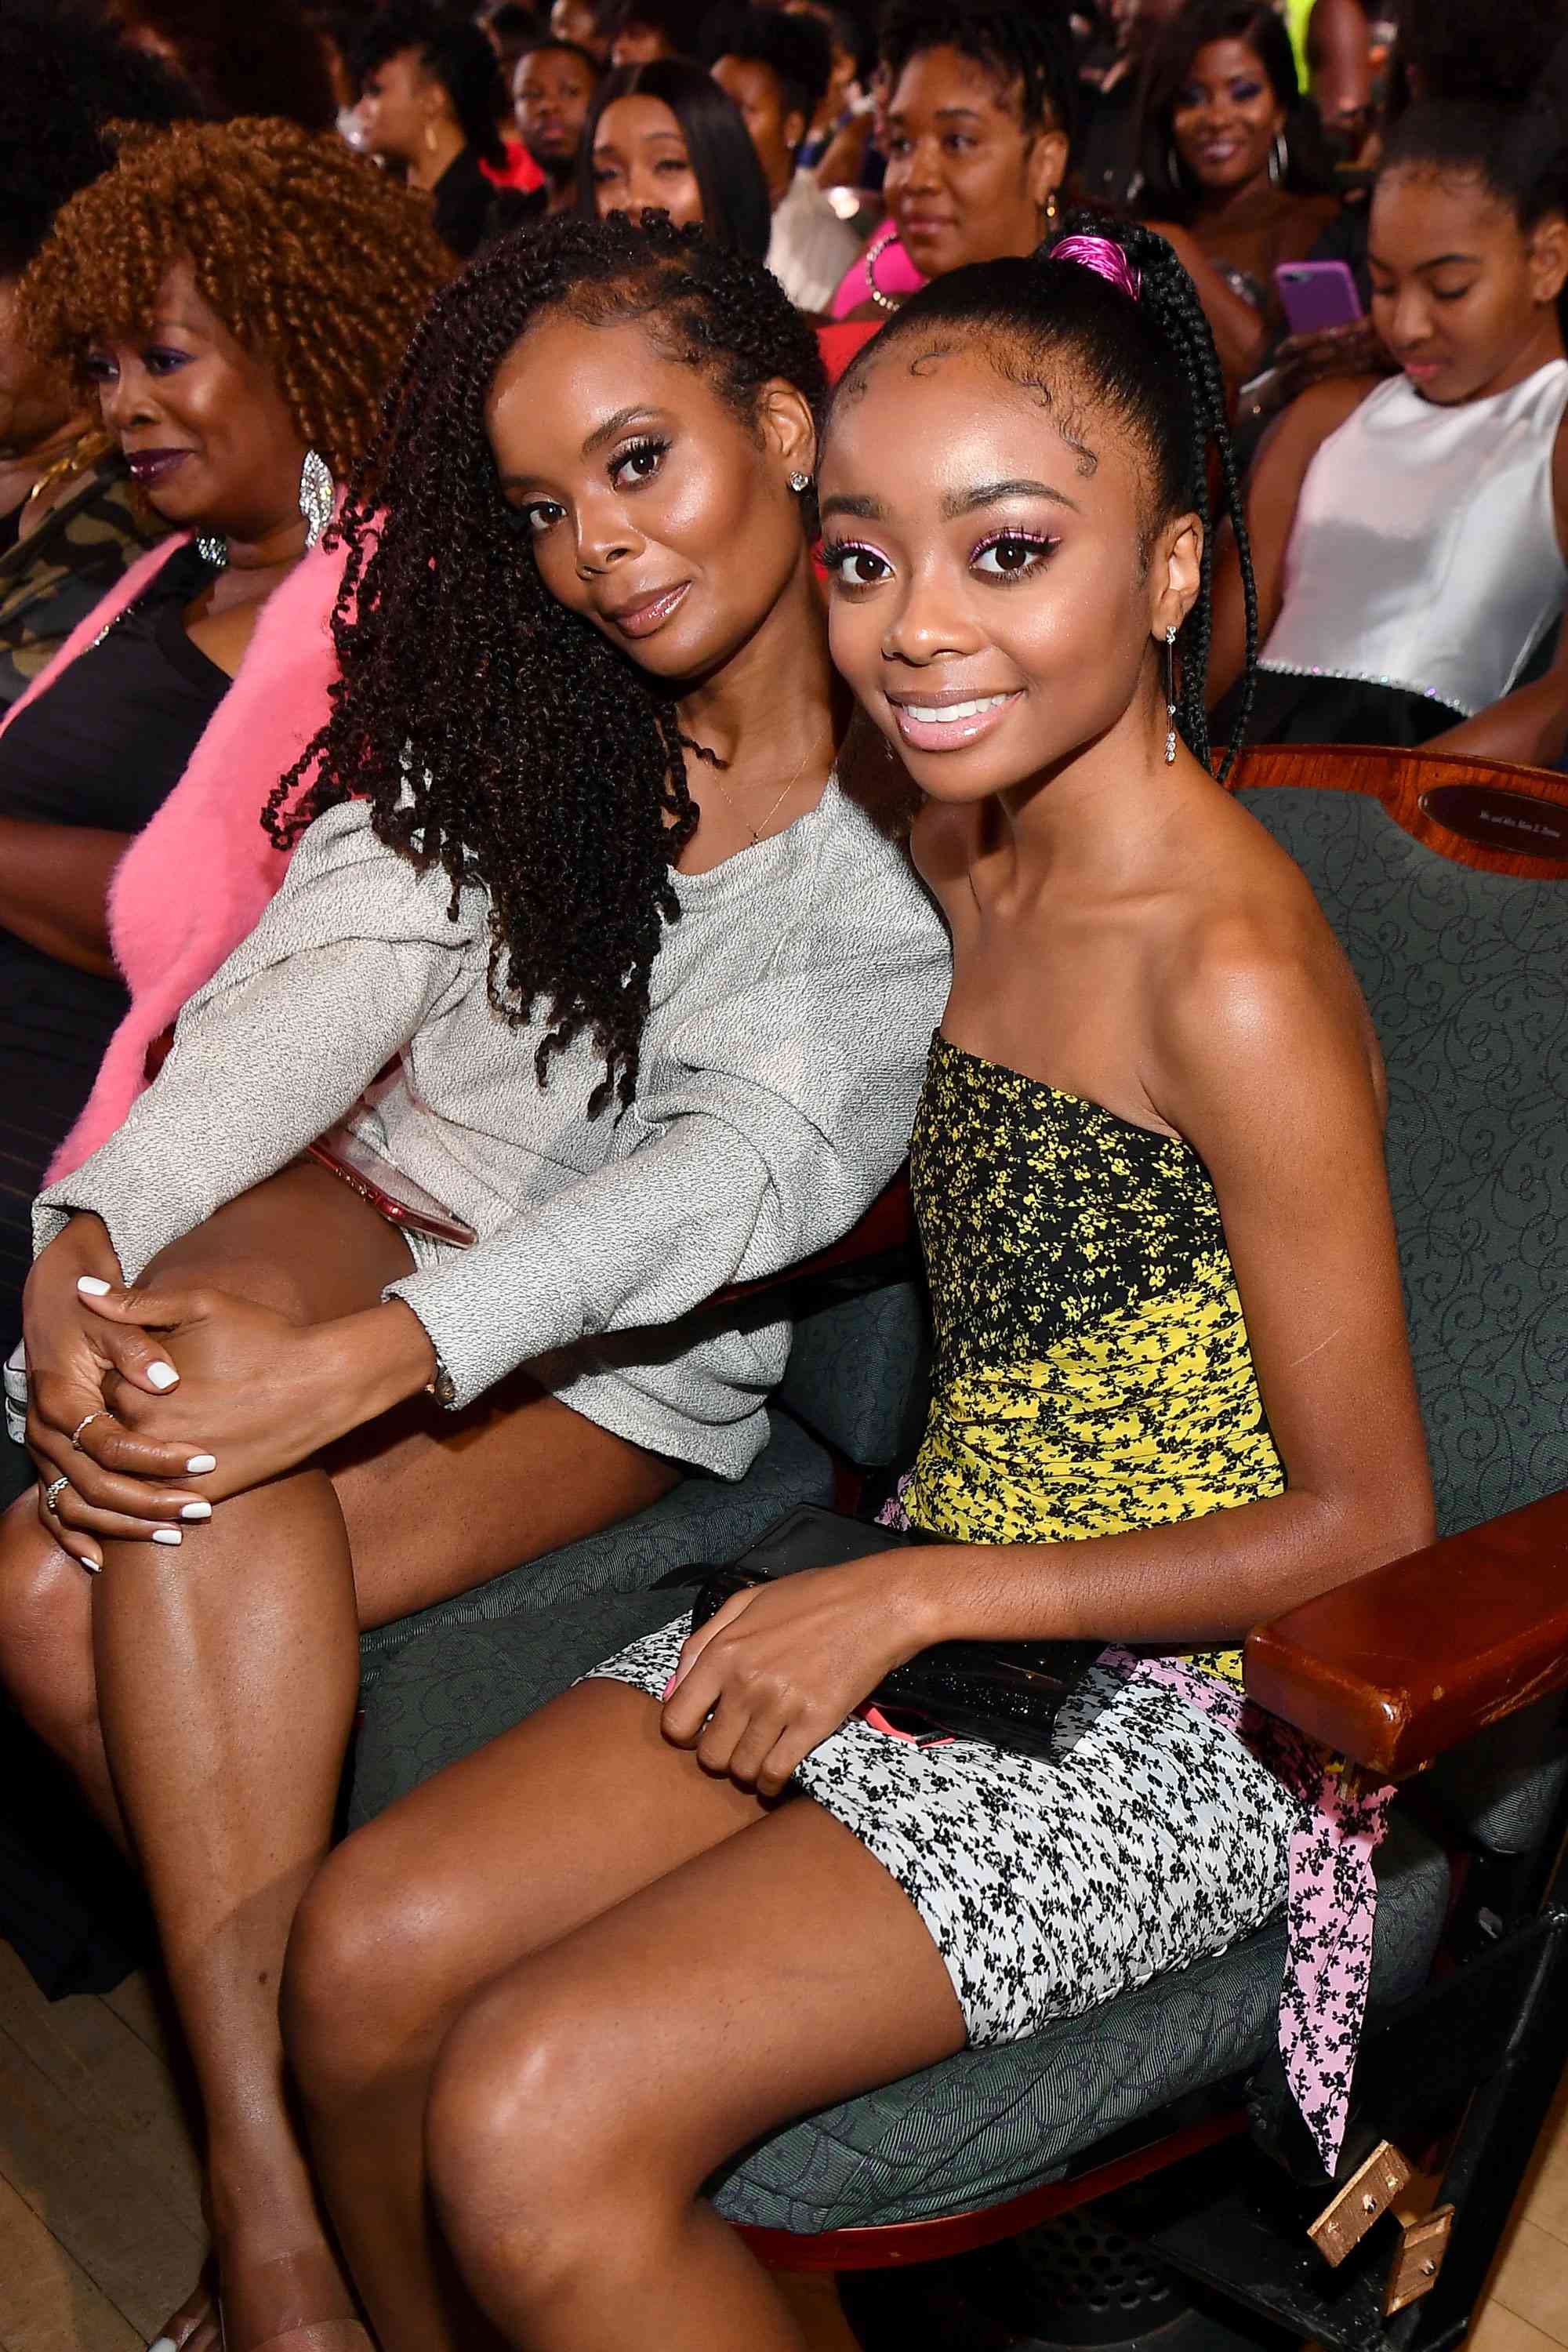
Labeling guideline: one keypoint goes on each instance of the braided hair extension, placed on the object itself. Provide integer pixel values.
(492, 731)
(1151, 360)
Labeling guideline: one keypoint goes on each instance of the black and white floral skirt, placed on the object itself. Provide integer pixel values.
(1150, 1838)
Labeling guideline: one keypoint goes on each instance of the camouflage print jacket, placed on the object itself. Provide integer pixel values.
(52, 578)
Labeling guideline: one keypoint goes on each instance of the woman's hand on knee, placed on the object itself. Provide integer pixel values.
(73, 1355)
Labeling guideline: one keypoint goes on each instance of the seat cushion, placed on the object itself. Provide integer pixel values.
(989, 2123)
(701, 1518)
(857, 1372)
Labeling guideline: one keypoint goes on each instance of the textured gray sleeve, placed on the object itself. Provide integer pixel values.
(791, 1111)
(353, 955)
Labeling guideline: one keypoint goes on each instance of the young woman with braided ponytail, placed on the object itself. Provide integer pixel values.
(1172, 1396)
(592, 952)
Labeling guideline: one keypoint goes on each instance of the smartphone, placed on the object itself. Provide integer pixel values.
(394, 1195)
(1317, 295)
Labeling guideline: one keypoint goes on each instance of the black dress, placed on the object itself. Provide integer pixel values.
(103, 748)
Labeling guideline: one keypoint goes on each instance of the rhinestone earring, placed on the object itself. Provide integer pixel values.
(317, 491)
(1170, 698)
(800, 483)
(213, 549)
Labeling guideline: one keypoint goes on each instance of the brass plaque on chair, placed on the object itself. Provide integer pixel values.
(1495, 819)
(1364, 2198)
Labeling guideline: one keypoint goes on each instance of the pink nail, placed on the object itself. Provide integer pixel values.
(670, 1687)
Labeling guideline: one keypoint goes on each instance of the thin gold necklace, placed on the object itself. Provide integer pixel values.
(757, 831)
(84, 451)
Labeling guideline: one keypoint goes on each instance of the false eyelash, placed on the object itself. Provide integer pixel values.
(647, 445)
(1042, 544)
(832, 554)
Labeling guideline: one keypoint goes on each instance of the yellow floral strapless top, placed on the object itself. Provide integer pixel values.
(1092, 1370)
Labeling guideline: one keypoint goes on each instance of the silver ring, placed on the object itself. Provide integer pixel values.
(95, 1415)
(51, 1491)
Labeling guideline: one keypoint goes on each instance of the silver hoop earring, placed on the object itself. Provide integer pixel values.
(317, 491)
(800, 483)
(1278, 161)
(1170, 698)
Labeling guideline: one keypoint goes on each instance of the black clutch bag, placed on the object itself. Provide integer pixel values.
(1008, 1692)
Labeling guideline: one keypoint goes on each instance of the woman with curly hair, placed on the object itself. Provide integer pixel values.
(185, 293)
(602, 970)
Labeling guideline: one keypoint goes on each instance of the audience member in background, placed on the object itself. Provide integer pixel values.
(845, 42)
(642, 31)
(431, 93)
(175, 704)
(1408, 537)
(510, 27)
(68, 521)
(552, 91)
(979, 120)
(1230, 156)
(664, 138)
(252, 56)
(775, 68)
(647, 1044)
(1110, 73)
(1339, 64)
(584, 22)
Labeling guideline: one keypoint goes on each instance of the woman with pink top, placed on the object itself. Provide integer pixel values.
(134, 771)
(979, 118)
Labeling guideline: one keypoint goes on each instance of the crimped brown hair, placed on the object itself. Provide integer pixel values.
(308, 255)
(490, 729)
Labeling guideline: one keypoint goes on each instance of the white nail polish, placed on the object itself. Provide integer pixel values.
(195, 1510)
(163, 1376)
(200, 1461)
(165, 2344)
(166, 1535)
(90, 1286)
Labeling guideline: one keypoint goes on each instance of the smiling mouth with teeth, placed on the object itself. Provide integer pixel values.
(933, 718)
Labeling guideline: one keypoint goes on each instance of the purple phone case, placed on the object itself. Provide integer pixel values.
(1317, 295)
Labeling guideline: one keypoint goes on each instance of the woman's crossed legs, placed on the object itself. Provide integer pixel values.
(534, 2006)
(205, 1695)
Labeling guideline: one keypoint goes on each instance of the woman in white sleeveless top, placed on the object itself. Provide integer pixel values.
(1408, 536)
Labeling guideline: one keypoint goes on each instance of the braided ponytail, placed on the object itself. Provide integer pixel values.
(1111, 298)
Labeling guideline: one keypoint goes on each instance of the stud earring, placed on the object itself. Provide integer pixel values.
(316, 494)
(800, 483)
(1053, 210)
(1170, 698)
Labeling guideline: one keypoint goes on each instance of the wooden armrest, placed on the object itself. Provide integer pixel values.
(1402, 1663)
(887, 1224)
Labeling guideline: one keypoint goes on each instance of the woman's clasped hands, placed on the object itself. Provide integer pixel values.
(781, 1666)
(150, 1405)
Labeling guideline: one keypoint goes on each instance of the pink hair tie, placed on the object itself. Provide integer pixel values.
(1105, 257)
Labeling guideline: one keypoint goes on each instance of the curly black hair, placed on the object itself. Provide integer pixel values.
(63, 76)
(493, 732)
(1031, 43)
(451, 49)
(1150, 361)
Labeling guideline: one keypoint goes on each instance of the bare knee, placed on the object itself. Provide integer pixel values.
(46, 1632)
(199, 1262)
(363, 1988)
(541, 2157)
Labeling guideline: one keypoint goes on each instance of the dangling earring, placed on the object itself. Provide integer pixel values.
(316, 494)
(1170, 698)
(1278, 161)
(212, 549)
(800, 483)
